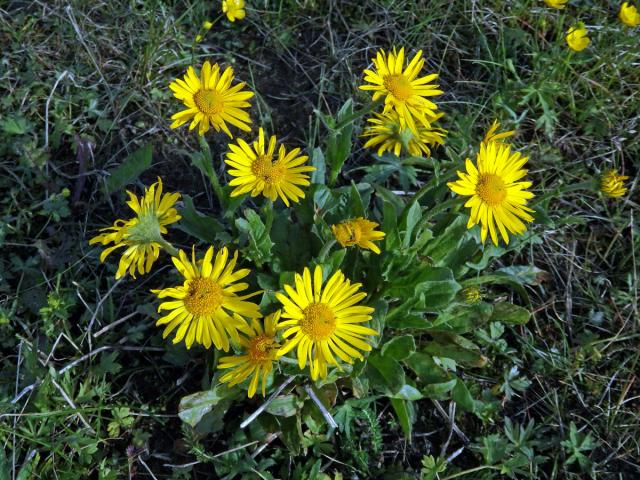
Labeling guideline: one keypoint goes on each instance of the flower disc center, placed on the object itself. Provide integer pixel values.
(262, 348)
(319, 322)
(266, 170)
(204, 298)
(399, 86)
(210, 102)
(491, 189)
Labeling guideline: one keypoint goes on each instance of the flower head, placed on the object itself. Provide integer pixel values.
(559, 4)
(388, 133)
(234, 9)
(402, 91)
(612, 184)
(325, 321)
(472, 295)
(257, 171)
(358, 231)
(577, 38)
(260, 348)
(629, 15)
(492, 136)
(497, 197)
(142, 234)
(211, 100)
(206, 308)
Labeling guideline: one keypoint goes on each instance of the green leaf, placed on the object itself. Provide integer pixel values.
(410, 219)
(399, 348)
(197, 224)
(461, 318)
(259, 240)
(391, 371)
(406, 415)
(357, 208)
(202, 163)
(434, 285)
(506, 312)
(130, 169)
(26, 471)
(318, 161)
(195, 406)
(284, 406)
(439, 391)
(456, 348)
(461, 395)
(407, 392)
(426, 368)
(339, 141)
(15, 126)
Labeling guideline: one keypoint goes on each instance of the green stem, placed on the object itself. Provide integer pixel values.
(213, 177)
(325, 250)
(173, 251)
(267, 209)
(471, 470)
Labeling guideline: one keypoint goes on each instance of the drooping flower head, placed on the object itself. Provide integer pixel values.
(401, 89)
(142, 234)
(612, 184)
(234, 9)
(324, 321)
(629, 15)
(492, 136)
(559, 4)
(260, 348)
(211, 100)
(387, 133)
(258, 170)
(358, 231)
(206, 308)
(577, 37)
(498, 199)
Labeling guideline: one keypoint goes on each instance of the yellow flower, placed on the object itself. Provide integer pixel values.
(324, 321)
(388, 134)
(142, 235)
(492, 136)
(234, 9)
(206, 308)
(260, 349)
(257, 172)
(629, 15)
(612, 184)
(559, 4)
(358, 231)
(207, 25)
(497, 197)
(199, 38)
(472, 295)
(403, 92)
(577, 38)
(211, 100)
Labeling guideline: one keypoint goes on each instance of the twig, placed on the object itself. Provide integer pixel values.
(455, 428)
(325, 413)
(262, 407)
(71, 404)
(99, 305)
(107, 347)
(113, 324)
(147, 467)
(46, 107)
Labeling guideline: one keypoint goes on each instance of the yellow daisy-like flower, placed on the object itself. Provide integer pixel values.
(559, 4)
(403, 92)
(492, 136)
(142, 235)
(388, 134)
(206, 308)
(260, 349)
(497, 197)
(358, 231)
(324, 321)
(234, 9)
(257, 172)
(577, 37)
(612, 184)
(472, 295)
(211, 100)
(629, 15)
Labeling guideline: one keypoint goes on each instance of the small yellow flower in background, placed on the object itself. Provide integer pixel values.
(388, 134)
(211, 100)
(199, 38)
(629, 15)
(402, 91)
(257, 172)
(358, 231)
(577, 38)
(206, 308)
(142, 235)
(559, 4)
(234, 9)
(612, 184)
(324, 321)
(472, 295)
(260, 347)
(497, 197)
(207, 25)
(492, 136)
